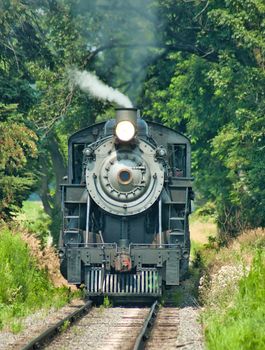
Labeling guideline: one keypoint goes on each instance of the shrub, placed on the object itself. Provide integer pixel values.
(23, 286)
(236, 321)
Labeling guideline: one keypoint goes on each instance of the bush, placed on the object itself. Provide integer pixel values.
(23, 286)
(236, 320)
(35, 220)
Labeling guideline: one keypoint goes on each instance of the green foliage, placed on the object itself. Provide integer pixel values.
(203, 64)
(240, 326)
(195, 253)
(34, 218)
(17, 147)
(216, 98)
(18, 44)
(65, 326)
(16, 327)
(107, 302)
(23, 286)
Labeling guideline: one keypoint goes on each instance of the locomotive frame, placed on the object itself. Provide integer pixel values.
(112, 246)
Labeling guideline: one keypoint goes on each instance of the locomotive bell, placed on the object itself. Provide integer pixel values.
(126, 123)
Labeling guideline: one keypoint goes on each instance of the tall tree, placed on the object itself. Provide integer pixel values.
(19, 43)
(216, 98)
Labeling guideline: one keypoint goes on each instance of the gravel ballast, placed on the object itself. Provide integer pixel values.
(35, 324)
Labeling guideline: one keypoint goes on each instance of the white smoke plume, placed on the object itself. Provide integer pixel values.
(90, 83)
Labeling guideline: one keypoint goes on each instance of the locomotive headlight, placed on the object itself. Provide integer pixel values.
(125, 130)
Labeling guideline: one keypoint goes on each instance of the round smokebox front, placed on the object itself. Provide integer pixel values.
(125, 176)
(124, 182)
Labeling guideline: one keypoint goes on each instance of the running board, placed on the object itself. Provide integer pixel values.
(146, 282)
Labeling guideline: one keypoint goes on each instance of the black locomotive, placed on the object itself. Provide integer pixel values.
(125, 207)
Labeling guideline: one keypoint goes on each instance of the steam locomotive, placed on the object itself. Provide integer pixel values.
(125, 207)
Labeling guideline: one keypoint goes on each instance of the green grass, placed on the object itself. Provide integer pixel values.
(23, 286)
(235, 319)
(31, 210)
(107, 303)
(34, 218)
(65, 326)
(194, 249)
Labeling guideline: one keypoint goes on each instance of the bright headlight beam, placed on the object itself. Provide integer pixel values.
(125, 130)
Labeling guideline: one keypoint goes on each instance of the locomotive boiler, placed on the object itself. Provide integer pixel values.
(125, 207)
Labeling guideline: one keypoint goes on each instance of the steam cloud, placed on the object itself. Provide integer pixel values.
(90, 83)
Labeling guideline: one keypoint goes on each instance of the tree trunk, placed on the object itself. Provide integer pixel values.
(58, 166)
(43, 189)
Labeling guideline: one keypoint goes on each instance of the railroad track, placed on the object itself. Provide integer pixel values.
(112, 328)
(146, 328)
(48, 335)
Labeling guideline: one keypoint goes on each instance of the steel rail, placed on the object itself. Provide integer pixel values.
(146, 328)
(48, 335)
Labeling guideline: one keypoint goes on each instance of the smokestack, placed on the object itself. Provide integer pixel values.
(127, 114)
(126, 124)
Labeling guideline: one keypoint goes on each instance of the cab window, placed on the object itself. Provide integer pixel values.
(77, 162)
(177, 159)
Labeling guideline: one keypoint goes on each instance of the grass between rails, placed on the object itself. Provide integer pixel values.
(233, 293)
(24, 287)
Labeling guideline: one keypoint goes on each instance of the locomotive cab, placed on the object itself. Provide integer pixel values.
(125, 207)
